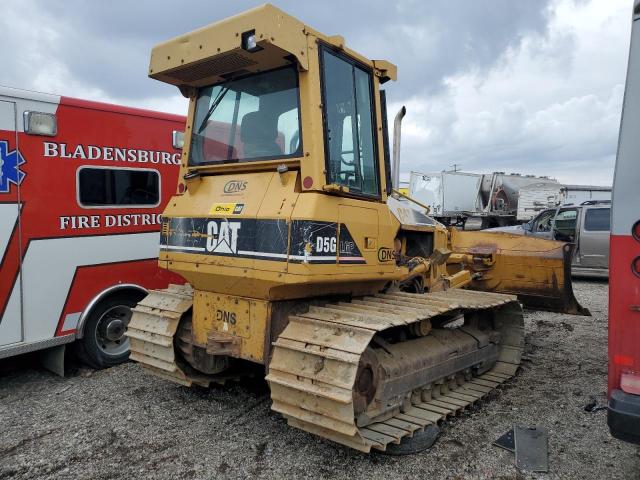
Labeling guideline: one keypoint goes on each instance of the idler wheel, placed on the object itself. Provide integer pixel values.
(195, 356)
(366, 383)
(416, 444)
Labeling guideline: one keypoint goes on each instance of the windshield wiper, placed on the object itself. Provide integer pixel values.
(223, 91)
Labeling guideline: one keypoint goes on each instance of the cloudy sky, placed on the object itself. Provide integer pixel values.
(529, 86)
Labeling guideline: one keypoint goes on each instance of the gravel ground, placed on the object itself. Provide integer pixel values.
(121, 423)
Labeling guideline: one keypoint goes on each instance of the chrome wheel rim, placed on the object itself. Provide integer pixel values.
(110, 330)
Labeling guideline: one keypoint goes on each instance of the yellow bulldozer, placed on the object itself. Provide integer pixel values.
(374, 323)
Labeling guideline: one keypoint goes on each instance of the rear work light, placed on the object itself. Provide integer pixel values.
(39, 123)
(249, 42)
(630, 383)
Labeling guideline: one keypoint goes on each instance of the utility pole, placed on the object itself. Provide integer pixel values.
(455, 166)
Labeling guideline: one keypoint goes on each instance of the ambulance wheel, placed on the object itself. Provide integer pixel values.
(104, 343)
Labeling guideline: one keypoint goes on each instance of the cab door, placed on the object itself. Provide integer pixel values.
(352, 155)
(594, 238)
(11, 330)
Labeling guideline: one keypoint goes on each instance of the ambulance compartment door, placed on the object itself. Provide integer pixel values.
(11, 331)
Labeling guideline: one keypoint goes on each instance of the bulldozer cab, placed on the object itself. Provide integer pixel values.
(286, 170)
(281, 95)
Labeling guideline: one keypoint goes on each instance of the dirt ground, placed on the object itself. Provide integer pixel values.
(121, 423)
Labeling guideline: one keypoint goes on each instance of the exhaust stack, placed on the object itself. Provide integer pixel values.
(397, 127)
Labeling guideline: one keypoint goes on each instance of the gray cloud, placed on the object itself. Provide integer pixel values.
(527, 85)
(107, 44)
(549, 106)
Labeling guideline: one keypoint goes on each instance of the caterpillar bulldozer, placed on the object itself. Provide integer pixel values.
(374, 323)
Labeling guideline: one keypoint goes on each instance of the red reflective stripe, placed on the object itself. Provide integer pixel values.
(623, 360)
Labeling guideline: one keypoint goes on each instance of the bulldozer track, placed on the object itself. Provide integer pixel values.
(316, 358)
(315, 362)
(152, 329)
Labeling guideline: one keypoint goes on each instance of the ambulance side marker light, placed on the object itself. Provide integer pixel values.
(177, 140)
(40, 123)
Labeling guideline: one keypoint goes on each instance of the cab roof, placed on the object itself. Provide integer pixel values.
(214, 53)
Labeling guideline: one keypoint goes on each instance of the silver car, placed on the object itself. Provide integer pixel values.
(587, 226)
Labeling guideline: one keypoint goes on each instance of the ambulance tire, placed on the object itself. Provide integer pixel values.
(95, 348)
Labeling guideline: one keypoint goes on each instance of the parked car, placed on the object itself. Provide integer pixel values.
(587, 226)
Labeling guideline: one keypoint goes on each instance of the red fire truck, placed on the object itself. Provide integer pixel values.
(82, 188)
(624, 260)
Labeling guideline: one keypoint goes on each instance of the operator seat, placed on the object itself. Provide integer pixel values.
(258, 133)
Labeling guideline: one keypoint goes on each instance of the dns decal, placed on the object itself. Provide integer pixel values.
(386, 254)
(235, 186)
(10, 172)
(226, 316)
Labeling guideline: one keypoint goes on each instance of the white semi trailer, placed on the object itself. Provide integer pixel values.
(473, 200)
(476, 201)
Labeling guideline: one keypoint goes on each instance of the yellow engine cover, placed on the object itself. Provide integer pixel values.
(255, 235)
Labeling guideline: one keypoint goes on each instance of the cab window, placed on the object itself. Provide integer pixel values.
(246, 119)
(350, 146)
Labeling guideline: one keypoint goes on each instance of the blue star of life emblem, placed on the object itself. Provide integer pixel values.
(9, 171)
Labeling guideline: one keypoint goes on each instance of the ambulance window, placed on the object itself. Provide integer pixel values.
(118, 187)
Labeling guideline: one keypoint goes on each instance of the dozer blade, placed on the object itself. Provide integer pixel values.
(538, 271)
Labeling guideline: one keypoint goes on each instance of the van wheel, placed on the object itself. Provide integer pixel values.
(104, 343)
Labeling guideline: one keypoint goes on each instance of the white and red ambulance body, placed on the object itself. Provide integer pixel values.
(82, 187)
(624, 260)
